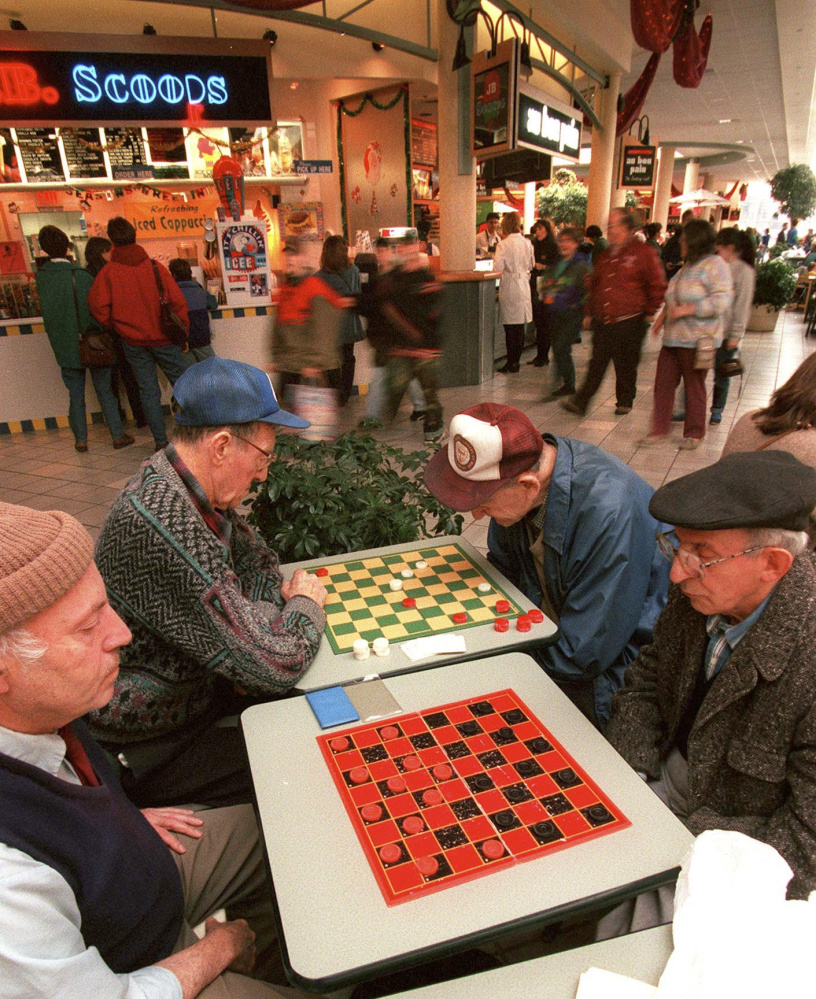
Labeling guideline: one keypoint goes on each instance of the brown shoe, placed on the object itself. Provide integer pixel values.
(81, 446)
(573, 406)
(123, 441)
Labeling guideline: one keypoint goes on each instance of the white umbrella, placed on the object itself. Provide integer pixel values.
(701, 197)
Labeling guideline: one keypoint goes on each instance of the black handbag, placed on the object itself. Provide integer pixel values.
(96, 348)
(730, 368)
(172, 325)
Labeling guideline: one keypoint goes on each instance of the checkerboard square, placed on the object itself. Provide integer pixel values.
(360, 615)
(344, 629)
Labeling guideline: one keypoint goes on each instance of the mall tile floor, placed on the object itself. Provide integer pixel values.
(42, 469)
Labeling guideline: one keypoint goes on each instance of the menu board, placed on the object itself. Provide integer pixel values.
(168, 152)
(127, 153)
(39, 151)
(423, 143)
(83, 153)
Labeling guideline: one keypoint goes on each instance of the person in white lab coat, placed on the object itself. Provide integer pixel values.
(514, 260)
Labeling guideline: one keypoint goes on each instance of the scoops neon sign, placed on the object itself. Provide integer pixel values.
(89, 87)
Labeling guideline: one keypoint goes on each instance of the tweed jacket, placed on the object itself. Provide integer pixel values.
(752, 747)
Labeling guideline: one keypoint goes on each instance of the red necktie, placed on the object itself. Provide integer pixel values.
(77, 757)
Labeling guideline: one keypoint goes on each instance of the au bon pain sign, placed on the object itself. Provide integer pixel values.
(97, 80)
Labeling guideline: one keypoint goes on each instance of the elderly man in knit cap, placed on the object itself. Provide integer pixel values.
(92, 900)
(213, 620)
(719, 712)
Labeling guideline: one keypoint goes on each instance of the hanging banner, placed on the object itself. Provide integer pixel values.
(638, 166)
(494, 99)
(164, 219)
(244, 262)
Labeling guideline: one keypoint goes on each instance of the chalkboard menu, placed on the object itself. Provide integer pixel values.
(83, 153)
(39, 151)
(127, 154)
(423, 143)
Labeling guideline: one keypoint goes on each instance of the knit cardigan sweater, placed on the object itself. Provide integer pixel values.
(205, 615)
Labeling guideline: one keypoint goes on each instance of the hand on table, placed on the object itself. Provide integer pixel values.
(239, 941)
(304, 584)
(181, 820)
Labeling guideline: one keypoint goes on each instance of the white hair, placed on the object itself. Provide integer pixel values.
(22, 646)
(794, 542)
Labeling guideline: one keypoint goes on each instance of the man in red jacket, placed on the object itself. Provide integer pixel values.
(125, 296)
(625, 291)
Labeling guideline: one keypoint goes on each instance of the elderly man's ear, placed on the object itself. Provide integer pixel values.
(777, 562)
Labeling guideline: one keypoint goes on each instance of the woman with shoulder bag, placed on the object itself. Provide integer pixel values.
(63, 289)
(737, 250)
(339, 273)
(697, 300)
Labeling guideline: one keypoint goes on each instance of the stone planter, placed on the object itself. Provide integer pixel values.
(763, 319)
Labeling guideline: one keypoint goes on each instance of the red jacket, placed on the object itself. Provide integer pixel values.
(631, 282)
(126, 297)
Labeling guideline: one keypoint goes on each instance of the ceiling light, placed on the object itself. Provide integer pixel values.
(270, 36)
(377, 46)
(726, 121)
(294, 85)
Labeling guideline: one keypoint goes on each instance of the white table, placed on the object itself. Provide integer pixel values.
(330, 667)
(335, 928)
(641, 955)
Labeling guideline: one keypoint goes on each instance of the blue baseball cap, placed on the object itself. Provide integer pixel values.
(216, 392)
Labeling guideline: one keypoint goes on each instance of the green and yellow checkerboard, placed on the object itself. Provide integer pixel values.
(361, 603)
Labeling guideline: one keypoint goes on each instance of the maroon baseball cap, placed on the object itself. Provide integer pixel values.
(488, 445)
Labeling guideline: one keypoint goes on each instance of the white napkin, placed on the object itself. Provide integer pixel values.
(433, 645)
(595, 983)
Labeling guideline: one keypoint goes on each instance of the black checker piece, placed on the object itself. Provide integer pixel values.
(469, 728)
(514, 717)
(527, 768)
(456, 749)
(545, 832)
(373, 753)
(556, 804)
(450, 836)
(492, 759)
(465, 809)
(597, 815)
(504, 736)
(480, 782)
(538, 745)
(481, 708)
(505, 820)
(436, 720)
(516, 793)
(566, 778)
(423, 741)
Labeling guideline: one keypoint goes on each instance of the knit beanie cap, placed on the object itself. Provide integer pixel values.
(43, 553)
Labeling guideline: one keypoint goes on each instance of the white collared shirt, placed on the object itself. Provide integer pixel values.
(42, 952)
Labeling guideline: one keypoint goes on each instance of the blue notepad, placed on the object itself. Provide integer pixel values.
(331, 707)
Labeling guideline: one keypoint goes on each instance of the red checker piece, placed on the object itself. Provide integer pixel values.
(390, 853)
(432, 797)
(536, 615)
(413, 824)
(371, 813)
(396, 784)
(359, 775)
(409, 602)
(322, 571)
(491, 848)
(501, 624)
(389, 732)
(502, 606)
(442, 772)
(427, 866)
(459, 618)
(523, 623)
(412, 763)
(339, 744)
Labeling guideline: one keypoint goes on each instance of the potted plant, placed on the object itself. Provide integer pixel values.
(332, 497)
(775, 286)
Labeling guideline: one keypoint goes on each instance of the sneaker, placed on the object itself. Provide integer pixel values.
(433, 434)
(417, 415)
(716, 417)
(651, 441)
(371, 423)
(573, 406)
(622, 410)
(678, 417)
(690, 443)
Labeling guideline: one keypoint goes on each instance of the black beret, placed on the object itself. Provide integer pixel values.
(747, 489)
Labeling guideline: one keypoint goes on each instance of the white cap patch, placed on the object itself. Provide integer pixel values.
(475, 449)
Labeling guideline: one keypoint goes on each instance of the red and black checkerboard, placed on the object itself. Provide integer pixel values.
(450, 794)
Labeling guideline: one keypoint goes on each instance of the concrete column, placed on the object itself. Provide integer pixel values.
(663, 184)
(603, 153)
(457, 191)
(529, 205)
(692, 178)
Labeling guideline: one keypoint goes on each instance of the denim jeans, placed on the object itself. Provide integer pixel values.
(143, 361)
(377, 387)
(74, 380)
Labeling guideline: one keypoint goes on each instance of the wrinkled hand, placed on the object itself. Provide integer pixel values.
(304, 584)
(587, 322)
(238, 940)
(168, 820)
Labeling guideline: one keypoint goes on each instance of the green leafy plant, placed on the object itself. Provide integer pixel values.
(775, 284)
(795, 190)
(331, 497)
(564, 200)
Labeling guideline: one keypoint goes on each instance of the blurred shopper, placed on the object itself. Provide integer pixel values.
(671, 253)
(63, 289)
(514, 260)
(652, 233)
(545, 253)
(199, 302)
(340, 273)
(697, 301)
(737, 250)
(563, 291)
(125, 296)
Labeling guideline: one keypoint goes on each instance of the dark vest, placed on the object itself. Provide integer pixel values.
(123, 877)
